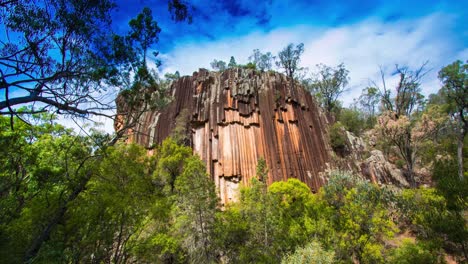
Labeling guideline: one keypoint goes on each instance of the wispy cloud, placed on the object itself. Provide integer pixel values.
(362, 46)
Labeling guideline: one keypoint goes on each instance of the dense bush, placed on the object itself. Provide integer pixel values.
(338, 137)
(352, 120)
(311, 253)
(414, 253)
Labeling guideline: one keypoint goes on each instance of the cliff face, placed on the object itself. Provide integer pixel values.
(238, 116)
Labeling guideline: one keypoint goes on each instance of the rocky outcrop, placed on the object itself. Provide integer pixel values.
(371, 164)
(237, 117)
(379, 170)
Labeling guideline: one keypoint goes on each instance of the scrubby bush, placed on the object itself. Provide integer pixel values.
(311, 253)
(338, 137)
(352, 120)
(414, 253)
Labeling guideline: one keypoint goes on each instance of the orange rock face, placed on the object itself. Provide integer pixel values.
(238, 116)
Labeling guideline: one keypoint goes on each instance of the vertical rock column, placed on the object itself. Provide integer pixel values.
(239, 116)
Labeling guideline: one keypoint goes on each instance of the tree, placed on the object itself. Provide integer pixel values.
(408, 135)
(360, 217)
(232, 63)
(289, 59)
(413, 253)
(171, 160)
(399, 122)
(408, 95)
(145, 31)
(44, 169)
(256, 206)
(65, 58)
(262, 61)
(105, 222)
(195, 208)
(329, 83)
(455, 81)
(368, 99)
(53, 57)
(218, 65)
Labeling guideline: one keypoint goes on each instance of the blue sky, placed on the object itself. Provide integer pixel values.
(364, 35)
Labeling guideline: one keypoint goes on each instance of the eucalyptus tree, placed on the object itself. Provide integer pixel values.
(262, 61)
(329, 83)
(289, 58)
(63, 56)
(455, 80)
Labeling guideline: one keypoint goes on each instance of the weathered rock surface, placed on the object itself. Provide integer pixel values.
(371, 164)
(379, 170)
(238, 116)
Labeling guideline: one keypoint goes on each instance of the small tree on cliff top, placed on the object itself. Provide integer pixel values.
(262, 61)
(329, 83)
(289, 58)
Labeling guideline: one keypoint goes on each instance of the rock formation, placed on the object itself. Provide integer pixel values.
(238, 116)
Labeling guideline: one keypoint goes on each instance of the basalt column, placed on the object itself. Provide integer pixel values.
(238, 116)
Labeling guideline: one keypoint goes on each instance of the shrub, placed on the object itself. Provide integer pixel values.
(338, 137)
(311, 253)
(413, 253)
(352, 120)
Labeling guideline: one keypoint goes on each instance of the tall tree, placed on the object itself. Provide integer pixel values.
(398, 123)
(455, 80)
(53, 57)
(329, 83)
(195, 208)
(407, 97)
(289, 59)
(370, 97)
(145, 31)
(218, 65)
(62, 56)
(232, 62)
(262, 61)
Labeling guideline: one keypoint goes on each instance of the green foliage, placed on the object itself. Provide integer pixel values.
(311, 253)
(171, 160)
(180, 132)
(400, 163)
(144, 31)
(172, 76)
(194, 211)
(43, 167)
(455, 80)
(414, 253)
(328, 84)
(262, 61)
(113, 208)
(218, 65)
(369, 99)
(338, 137)
(262, 170)
(289, 58)
(232, 63)
(352, 120)
(436, 220)
(249, 66)
(360, 218)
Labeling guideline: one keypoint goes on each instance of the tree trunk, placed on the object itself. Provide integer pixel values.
(54, 221)
(461, 139)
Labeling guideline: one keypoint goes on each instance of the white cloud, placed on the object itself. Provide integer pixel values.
(363, 47)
